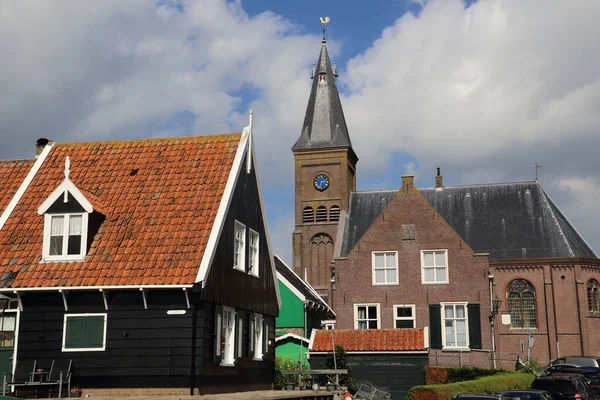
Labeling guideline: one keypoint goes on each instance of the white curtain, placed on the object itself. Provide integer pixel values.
(75, 224)
(57, 226)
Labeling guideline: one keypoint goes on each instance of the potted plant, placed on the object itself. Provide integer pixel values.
(75, 391)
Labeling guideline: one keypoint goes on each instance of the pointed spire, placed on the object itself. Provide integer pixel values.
(324, 123)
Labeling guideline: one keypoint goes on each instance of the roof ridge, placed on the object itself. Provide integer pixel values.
(484, 184)
(150, 140)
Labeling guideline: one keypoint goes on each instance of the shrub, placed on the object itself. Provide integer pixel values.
(340, 362)
(436, 375)
(487, 385)
(469, 374)
(287, 364)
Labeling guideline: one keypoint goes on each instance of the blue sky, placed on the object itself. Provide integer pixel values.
(482, 89)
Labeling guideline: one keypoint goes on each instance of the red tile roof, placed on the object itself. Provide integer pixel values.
(370, 339)
(12, 173)
(159, 196)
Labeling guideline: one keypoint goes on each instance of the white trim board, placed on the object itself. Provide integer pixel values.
(217, 228)
(292, 288)
(291, 335)
(70, 288)
(25, 184)
(65, 186)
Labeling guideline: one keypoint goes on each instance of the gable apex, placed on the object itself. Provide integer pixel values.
(66, 187)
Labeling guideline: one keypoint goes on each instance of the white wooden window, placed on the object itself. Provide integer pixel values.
(228, 336)
(65, 237)
(434, 266)
(84, 332)
(366, 316)
(257, 337)
(455, 330)
(385, 267)
(239, 246)
(404, 316)
(253, 244)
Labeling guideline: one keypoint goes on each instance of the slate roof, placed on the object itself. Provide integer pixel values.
(507, 220)
(302, 286)
(370, 339)
(324, 123)
(159, 197)
(12, 173)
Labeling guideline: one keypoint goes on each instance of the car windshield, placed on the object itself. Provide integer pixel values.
(565, 387)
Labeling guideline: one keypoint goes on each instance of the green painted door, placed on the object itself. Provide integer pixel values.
(7, 341)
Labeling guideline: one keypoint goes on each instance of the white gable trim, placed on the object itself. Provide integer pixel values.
(217, 228)
(70, 187)
(293, 336)
(25, 184)
(292, 288)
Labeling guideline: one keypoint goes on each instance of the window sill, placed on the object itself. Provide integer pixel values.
(257, 359)
(227, 364)
(239, 269)
(456, 349)
(435, 283)
(62, 259)
(65, 350)
(385, 284)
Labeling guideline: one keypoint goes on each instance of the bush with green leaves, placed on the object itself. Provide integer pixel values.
(340, 362)
(287, 364)
(470, 373)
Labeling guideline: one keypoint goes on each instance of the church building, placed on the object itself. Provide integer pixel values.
(490, 271)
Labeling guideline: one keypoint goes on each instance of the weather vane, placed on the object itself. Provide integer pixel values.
(536, 166)
(324, 22)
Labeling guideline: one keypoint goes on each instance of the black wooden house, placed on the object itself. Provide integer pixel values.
(146, 263)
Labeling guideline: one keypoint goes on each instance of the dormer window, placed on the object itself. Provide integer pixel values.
(65, 238)
(66, 218)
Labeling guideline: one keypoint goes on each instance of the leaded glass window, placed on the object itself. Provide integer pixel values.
(592, 292)
(521, 305)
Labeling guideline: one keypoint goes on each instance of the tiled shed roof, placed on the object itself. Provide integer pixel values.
(12, 173)
(159, 198)
(370, 339)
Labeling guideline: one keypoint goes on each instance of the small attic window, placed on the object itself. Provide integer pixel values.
(65, 236)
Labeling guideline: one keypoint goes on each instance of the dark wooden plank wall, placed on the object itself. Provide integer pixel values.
(234, 288)
(396, 372)
(247, 374)
(144, 348)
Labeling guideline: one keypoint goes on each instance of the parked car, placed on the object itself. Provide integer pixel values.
(565, 387)
(471, 396)
(525, 395)
(580, 361)
(591, 374)
(550, 369)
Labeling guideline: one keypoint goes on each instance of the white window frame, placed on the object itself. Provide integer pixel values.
(413, 318)
(423, 268)
(385, 268)
(328, 324)
(257, 337)
(254, 253)
(443, 316)
(356, 305)
(64, 337)
(47, 230)
(241, 258)
(228, 337)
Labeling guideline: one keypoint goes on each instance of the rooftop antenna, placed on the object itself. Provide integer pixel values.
(324, 22)
(536, 166)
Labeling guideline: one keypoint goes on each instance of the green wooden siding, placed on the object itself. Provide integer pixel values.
(292, 349)
(291, 314)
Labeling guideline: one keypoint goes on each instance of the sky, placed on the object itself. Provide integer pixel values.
(482, 89)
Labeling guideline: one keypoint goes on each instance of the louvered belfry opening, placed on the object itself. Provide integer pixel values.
(334, 213)
(322, 214)
(308, 214)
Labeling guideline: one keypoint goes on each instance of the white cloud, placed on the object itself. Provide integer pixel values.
(482, 91)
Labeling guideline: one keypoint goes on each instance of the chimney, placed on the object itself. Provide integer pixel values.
(438, 179)
(39, 146)
(408, 181)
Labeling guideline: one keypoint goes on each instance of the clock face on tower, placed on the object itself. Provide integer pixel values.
(321, 182)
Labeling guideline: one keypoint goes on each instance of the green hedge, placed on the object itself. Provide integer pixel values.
(471, 373)
(488, 385)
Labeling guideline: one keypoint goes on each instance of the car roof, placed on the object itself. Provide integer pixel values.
(523, 391)
(560, 377)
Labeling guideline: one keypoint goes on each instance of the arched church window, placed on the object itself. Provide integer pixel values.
(592, 292)
(308, 214)
(321, 255)
(521, 304)
(334, 213)
(321, 214)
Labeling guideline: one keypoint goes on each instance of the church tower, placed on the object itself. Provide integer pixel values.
(325, 174)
